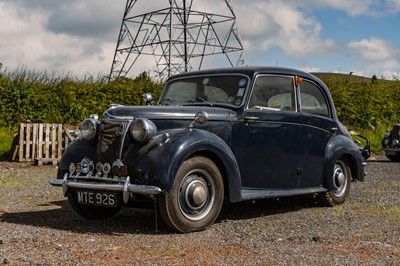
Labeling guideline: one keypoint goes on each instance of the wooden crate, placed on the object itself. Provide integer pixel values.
(40, 143)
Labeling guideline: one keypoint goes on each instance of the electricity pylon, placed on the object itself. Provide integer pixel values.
(179, 37)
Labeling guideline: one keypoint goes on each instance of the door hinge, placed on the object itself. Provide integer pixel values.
(299, 171)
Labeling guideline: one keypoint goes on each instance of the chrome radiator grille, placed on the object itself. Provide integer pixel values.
(111, 139)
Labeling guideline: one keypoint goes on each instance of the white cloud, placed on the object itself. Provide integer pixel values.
(371, 8)
(30, 43)
(393, 6)
(373, 49)
(284, 26)
(380, 56)
(80, 36)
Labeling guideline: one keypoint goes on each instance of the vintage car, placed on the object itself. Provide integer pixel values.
(391, 144)
(233, 133)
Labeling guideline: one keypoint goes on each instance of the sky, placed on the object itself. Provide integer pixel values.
(79, 37)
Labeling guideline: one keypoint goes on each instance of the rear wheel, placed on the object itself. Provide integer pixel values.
(341, 184)
(196, 197)
(91, 212)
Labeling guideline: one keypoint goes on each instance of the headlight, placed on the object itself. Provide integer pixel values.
(386, 142)
(395, 142)
(89, 128)
(142, 130)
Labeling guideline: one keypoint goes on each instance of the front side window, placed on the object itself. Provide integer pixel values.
(275, 93)
(313, 100)
(210, 90)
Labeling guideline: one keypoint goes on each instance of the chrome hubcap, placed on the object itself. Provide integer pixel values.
(339, 180)
(196, 195)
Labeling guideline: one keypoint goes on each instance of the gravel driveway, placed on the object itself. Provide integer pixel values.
(37, 227)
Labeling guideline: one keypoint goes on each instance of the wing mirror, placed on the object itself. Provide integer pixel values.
(147, 99)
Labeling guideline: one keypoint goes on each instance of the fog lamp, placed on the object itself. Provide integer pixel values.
(78, 168)
(71, 168)
(85, 166)
(99, 168)
(116, 168)
(106, 169)
(123, 171)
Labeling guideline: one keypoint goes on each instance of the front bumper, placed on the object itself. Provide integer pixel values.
(391, 151)
(126, 188)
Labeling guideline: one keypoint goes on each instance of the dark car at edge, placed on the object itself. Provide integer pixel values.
(391, 143)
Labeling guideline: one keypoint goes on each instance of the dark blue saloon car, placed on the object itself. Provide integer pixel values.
(235, 133)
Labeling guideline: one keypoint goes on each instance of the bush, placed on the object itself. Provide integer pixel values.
(368, 106)
(27, 95)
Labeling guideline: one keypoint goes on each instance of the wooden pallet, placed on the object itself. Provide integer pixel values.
(40, 143)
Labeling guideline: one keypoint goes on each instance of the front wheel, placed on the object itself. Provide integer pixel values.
(341, 184)
(196, 197)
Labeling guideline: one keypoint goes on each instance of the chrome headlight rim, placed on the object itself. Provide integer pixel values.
(142, 130)
(89, 128)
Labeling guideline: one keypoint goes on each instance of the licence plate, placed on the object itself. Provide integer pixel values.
(393, 153)
(104, 199)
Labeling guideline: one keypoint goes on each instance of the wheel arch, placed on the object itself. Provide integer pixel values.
(221, 167)
(182, 144)
(342, 148)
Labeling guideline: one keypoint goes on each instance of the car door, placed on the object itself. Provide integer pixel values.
(270, 132)
(316, 130)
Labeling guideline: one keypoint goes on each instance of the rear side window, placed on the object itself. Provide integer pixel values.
(274, 93)
(313, 100)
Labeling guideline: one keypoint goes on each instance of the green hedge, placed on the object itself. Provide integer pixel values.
(34, 96)
(369, 106)
(365, 104)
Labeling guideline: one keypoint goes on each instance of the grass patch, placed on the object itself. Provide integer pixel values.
(11, 183)
(6, 139)
(390, 184)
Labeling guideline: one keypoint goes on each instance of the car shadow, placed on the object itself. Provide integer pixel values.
(144, 221)
(266, 207)
(379, 161)
(62, 217)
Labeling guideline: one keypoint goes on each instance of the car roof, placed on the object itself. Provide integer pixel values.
(252, 71)
(249, 70)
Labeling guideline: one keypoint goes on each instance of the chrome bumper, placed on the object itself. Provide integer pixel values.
(391, 149)
(127, 188)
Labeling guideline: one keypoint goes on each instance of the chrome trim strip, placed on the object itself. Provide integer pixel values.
(249, 193)
(125, 129)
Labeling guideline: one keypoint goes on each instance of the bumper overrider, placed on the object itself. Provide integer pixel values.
(82, 176)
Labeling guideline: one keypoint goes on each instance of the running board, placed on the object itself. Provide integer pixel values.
(249, 193)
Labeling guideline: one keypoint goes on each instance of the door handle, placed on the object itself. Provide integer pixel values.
(251, 118)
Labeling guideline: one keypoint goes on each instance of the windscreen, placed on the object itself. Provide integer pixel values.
(206, 90)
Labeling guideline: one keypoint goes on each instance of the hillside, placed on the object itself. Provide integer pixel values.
(341, 77)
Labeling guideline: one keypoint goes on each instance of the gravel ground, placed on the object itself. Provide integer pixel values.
(37, 227)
